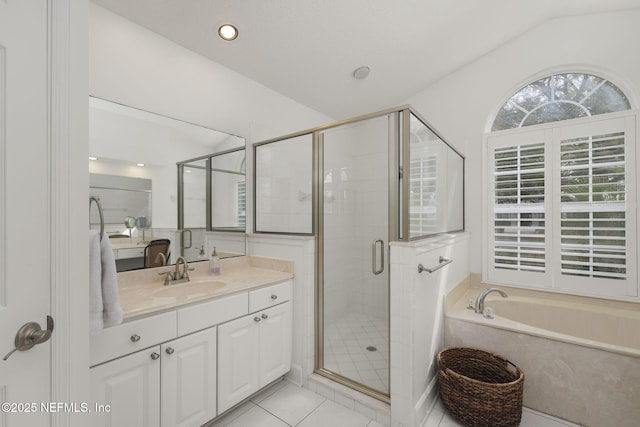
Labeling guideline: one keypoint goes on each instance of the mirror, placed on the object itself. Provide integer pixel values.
(212, 197)
(127, 146)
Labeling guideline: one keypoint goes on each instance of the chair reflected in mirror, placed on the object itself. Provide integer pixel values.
(156, 253)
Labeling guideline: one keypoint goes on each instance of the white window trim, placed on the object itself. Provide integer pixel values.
(552, 132)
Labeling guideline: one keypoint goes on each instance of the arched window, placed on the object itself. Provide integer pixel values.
(560, 97)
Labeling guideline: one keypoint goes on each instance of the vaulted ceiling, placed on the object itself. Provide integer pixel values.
(308, 49)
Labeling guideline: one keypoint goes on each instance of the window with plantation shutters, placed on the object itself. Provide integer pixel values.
(560, 206)
(593, 206)
(518, 213)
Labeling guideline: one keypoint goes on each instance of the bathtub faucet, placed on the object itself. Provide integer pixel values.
(480, 301)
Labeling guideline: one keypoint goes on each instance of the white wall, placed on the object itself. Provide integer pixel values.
(462, 105)
(417, 320)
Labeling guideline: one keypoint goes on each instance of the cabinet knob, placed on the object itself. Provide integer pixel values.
(169, 350)
(265, 316)
(274, 296)
(155, 356)
(135, 338)
(256, 319)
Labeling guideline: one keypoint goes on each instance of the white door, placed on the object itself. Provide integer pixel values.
(128, 390)
(275, 343)
(189, 380)
(24, 207)
(238, 355)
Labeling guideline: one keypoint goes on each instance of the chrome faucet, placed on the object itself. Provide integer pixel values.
(172, 278)
(161, 258)
(184, 275)
(479, 306)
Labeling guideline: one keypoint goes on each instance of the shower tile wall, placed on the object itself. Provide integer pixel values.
(362, 207)
(284, 179)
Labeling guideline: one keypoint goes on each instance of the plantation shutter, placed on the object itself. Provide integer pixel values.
(596, 198)
(423, 213)
(518, 227)
(241, 203)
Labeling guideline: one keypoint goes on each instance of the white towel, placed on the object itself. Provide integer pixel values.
(103, 281)
(112, 309)
(95, 282)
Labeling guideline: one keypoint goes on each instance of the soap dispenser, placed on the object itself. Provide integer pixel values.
(214, 264)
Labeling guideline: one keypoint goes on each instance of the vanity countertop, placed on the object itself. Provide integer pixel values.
(142, 292)
(128, 243)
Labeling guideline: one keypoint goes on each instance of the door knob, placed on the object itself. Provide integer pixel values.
(31, 334)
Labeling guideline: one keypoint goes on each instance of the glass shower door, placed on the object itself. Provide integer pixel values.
(192, 201)
(354, 248)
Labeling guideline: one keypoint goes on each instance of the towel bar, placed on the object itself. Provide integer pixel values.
(442, 262)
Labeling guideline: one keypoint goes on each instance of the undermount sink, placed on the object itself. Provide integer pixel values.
(189, 288)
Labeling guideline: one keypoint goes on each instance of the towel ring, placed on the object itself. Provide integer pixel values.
(97, 200)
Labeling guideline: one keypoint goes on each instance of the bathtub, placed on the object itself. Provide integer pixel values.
(580, 356)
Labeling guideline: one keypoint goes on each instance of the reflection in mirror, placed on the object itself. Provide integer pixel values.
(212, 205)
(195, 194)
(121, 197)
(228, 191)
(132, 143)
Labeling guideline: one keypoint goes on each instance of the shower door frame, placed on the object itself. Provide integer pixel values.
(398, 216)
(397, 129)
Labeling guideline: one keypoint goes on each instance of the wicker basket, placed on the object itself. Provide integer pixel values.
(479, 389)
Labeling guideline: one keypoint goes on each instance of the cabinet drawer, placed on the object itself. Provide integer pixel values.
(130, 253)
(132, 336)
(211, 313)
(269, 296)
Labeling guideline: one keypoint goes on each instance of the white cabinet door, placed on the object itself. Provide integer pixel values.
(253, 351)
(189, 380)
(131, 387)
(275, 343)
(238, 355)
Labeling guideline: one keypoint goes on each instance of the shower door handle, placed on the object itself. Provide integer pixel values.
(184, 233)
(374, 253)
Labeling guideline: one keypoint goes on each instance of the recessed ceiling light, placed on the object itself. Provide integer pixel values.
(227, 32)
(361, 72)
(93, 158)
(140, 164)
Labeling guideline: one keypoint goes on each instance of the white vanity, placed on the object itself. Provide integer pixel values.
(128, 248)
(186, 353)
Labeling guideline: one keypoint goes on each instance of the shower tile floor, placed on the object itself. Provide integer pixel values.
(349, 349)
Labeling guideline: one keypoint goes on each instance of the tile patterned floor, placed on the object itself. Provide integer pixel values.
(287, 405)
(530, 418)
(346, 343)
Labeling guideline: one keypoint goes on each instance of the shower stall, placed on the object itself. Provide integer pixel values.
(363, 183)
